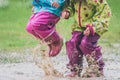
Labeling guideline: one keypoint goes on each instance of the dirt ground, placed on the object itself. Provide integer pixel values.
(18, 66)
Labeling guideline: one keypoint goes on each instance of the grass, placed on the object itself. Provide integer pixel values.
(14, 17)
(12, 25)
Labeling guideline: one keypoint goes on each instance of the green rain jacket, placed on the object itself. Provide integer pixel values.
(90, 12)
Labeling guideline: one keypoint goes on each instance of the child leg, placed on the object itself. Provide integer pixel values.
(92, 52)
(43, 25)
(29, 28)
(75, 55)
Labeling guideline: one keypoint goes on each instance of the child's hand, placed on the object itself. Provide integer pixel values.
(55, 4)
(87, 32)
(65, 14)
(32, 9)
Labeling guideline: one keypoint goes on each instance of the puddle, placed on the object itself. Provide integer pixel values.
(27, 70)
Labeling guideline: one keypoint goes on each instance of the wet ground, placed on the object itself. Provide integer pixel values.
(19, 66)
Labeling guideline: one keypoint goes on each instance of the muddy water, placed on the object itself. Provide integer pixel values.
(27, 70)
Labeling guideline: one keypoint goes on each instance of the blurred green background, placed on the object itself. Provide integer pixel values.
(14, 15)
